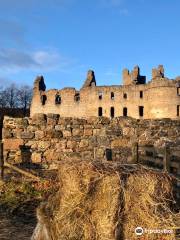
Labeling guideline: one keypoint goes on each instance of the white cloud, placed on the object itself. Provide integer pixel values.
(13, 60)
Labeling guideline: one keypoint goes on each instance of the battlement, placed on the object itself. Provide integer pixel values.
(159, 98)
(134, 77)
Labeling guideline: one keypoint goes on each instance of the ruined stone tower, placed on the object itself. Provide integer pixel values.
(159, 98)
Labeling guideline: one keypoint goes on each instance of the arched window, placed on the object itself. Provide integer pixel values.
(100, 111)
(77, 97)
(125, 111)
(43, 99)
(58, 99)
(112, 95)
(112, 112)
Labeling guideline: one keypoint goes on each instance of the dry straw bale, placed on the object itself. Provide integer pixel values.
(100, 201)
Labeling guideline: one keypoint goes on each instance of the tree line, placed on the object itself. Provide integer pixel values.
(14, 96)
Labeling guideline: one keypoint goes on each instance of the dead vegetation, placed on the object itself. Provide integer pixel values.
(99, 201)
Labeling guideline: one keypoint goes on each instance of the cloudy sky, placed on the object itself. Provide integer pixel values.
(62, 39)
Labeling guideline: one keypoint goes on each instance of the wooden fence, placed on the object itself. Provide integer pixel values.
(166, 158)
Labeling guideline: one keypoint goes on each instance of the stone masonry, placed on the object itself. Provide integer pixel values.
(49, 139)
(159, 98)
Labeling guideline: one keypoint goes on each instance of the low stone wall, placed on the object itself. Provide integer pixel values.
(48, 139)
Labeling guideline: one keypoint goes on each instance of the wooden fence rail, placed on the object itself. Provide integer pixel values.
(166, 158)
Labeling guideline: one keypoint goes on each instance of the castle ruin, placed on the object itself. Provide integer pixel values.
(158, 98)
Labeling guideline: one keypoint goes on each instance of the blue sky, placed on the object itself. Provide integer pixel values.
(62, 39)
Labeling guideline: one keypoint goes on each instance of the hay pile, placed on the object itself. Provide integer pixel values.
(98, 201)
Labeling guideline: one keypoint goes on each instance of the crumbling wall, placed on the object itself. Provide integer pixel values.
(49, 139)
(158, 98)
(134, 77)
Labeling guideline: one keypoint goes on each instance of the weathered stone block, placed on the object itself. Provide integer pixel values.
(87, 155)
(36, 157)
(17, 132)
(84, 143)
(53, 134)
(128, 131)
(50, 155)
(57, 134)
(39, 118)
(44, 145)
(92, 141)
(52, 119)
(61, 145)
(7, 133)
(67, 133)
(99, 132)
(12, 144)
(18, 157)
(103, 141)
(114, 131)
(88, 126)
(59, 127)
(77, 132)
(33, 144)
(88, 132)
(39, 134)
(27, 135)
(32, 128)
(99, 153)
(123, 142)
(72, 144)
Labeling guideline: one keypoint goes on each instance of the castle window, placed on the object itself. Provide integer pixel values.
(77, 97)
(112, 95)
(100, 111)
(178, 110)
(58, 99)
(125, 111)
(112, 112)
(43, 99)
(125, 95)
(141, 94)
(178, 91)
(141, 111)
(100, 95)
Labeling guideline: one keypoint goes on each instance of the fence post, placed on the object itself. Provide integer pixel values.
(135, 154)
(1, 161)
(166, 160)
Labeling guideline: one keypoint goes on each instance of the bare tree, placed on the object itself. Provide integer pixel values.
(24, 96)
(10, 93)
(16, 97)
(3, 102)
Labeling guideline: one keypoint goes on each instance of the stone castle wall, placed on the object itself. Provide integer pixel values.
(159, 98)
(49, 139)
